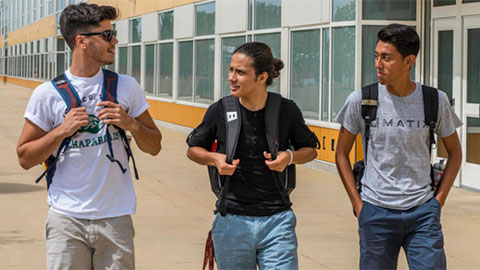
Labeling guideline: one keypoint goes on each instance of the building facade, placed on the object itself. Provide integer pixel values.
(179, 51)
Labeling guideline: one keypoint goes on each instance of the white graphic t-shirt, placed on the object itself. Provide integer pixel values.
(86, 183)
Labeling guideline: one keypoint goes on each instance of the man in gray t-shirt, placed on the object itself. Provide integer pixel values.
(396, 207)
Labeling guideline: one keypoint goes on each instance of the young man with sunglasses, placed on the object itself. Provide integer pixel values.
(91, 199)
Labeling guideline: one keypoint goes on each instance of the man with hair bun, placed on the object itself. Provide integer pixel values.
(254, 225)
(90, 189)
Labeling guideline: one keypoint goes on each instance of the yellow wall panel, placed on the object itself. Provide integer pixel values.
(183, 115)
(22, 82)
(318, 132)
(42, 29)
(2, 39)
(184, 2)
(131, 8)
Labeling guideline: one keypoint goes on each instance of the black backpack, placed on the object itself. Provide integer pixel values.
(369, 114)
(285, 180)
(72, 100)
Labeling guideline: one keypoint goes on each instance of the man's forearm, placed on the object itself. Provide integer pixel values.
(348, 180)
(451, 169)
(200, 156)
(303, 155)
(37, 151)
(147, 139)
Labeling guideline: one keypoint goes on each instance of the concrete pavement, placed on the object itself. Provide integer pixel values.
(175, 204)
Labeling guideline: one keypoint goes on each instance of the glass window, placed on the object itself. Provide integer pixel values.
(369, 43)
(69, 59)
(305, 72)
(343, 10)
(123, 60)
(470, 1)
(402, 10)
(204, 70)
(250, 10)
(35, 10)
(343, 66)
(268, 14)
(439, 3)
(473, 68)
(228, 46)
(473, 140)
(60, 45)
(165, 22)
(185, 70)
(149, 69)
(445, 73)
(135, 30)
(205, 19)
(325, 74)
(165, 78)
(445, 61)
(36, 69)
(273, 40)
(60, 4)
(42, 8)
(60, 63)
(51, 65)
(136, 59)
(44, 66)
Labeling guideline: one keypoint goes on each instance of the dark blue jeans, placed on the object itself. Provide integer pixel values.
(383, 231)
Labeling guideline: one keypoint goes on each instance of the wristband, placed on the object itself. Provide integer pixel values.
(291, 157)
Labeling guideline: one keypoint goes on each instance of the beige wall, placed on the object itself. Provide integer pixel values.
(42, 29)
(130, 8)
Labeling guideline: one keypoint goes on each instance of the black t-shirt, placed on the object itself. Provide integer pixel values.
(253, 191)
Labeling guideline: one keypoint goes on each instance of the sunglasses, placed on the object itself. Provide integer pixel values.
(107, 35)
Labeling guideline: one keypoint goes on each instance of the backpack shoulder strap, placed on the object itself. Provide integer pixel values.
(72, 100)
(430, 105)
(369, 110)
(109, 93)
(233, 123)
(370, 102)
(110, 81)
(67, 91)
(272, 116)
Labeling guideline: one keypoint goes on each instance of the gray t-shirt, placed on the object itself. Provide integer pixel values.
(397, 174)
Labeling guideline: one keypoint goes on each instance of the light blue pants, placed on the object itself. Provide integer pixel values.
(242, 242)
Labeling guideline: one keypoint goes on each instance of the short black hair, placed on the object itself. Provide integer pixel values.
(79, 18)
(263, 60)
(403, 37)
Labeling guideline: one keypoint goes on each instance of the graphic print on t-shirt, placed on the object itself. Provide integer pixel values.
(94, 125)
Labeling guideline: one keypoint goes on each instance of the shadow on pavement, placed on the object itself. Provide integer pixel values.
(7, 188)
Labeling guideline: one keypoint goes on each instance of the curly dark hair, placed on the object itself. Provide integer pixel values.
(76, 19)
(263, 60)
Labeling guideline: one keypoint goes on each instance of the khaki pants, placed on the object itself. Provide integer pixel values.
(74, 243)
